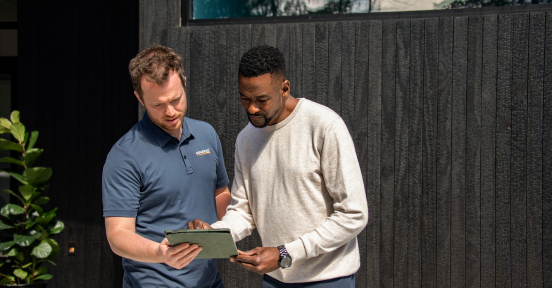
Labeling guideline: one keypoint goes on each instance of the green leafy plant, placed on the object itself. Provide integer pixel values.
(26, 229)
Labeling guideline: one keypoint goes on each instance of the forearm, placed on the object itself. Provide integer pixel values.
(223, 200)
(128, 244)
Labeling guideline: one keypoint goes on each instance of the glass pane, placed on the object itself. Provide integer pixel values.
(5, 105)
(212, 9)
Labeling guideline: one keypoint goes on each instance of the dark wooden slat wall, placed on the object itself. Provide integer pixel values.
(76, 92)
(447, 118)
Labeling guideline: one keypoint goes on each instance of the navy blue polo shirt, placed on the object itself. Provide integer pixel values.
(165, 183)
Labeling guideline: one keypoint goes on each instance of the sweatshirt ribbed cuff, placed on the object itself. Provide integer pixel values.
(296, 250)
(221, 224)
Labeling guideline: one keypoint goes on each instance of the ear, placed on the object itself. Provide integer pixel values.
(285, 89)
(138, 97)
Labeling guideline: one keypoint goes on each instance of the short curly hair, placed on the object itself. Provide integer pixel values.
(263, 59)
(155, 63)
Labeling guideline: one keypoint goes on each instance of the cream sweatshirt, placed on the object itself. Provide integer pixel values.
(299, 183)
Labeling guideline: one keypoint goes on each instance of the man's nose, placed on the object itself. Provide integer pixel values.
(252, 109)
(170, 110)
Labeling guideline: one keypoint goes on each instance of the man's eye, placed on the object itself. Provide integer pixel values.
(262, 101)
(176, 100)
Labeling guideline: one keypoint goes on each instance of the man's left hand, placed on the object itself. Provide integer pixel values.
(260, 260)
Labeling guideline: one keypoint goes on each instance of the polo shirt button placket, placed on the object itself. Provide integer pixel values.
(187, 163)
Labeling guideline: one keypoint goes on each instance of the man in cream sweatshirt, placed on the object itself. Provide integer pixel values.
(297, 180)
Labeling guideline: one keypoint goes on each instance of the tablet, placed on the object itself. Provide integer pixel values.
(216, 243)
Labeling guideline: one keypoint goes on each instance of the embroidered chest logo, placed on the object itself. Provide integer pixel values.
(203, 152)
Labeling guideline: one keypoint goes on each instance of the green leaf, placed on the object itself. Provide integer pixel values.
(12, 209)
(43, 233)
(5, 123)
(31, 155)
(26, 191)
(55, 247)
(41, 270)
(4, 130)
(35, 194)
(42, 200)
(6, 245)
(23, 223)
(20, 256)
(12, 251)
(43, 250)
(9, 145)
(32, 140)
(7, 280)
(37, 209)
(11, 160)
(26, 240)
(26, 138)
(27, 265)
(18, 131)
(44, 277)
(17, 176)
(20, 273)
(37, 175)
(46, 260)
(43, 220)
(4, 226)
(14, 116)
(56, 228)
(30, 224)
(13, 193)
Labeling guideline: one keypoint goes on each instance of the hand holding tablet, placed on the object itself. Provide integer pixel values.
(216, 243)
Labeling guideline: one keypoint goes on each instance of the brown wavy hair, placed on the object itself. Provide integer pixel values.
(155, 63)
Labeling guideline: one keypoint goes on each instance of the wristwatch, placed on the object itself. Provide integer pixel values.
(285, 259)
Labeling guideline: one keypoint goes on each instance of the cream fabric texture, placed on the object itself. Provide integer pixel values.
(299, 183)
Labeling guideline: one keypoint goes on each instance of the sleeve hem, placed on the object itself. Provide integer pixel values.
(222, 184)
(296, 250)
(120, 213)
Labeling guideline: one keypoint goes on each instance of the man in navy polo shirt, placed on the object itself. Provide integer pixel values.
(163, 173)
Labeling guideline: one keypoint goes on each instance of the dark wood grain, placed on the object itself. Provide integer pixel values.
(207, 98)
(473, 152)
(534, 149)
(195, 79)
(308, 67)
(503, 152)
(518, 208)
(334, 76)
(444, 151)
(547, 159)
(219, 100)
(374, 135)
(321, 64)
(270, 35)
(282, 42)
(294, 63)
(387, 176)
(488, 131)
(161, 24)
(359, 132)
(401, 205)
(347, 71)
(415, 124)
(458, 199)
(429, 153)
(257, 35)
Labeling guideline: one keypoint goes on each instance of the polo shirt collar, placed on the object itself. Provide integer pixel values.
(162, 137)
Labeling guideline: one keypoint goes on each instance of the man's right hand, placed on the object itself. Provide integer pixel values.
(179, 255)
(198, 224)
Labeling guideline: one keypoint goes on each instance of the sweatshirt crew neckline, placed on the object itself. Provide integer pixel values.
(288, 119)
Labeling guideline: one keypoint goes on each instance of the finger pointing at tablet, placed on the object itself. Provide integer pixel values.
(198, 224)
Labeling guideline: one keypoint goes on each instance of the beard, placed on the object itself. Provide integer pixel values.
(265, 123)
(165, 126)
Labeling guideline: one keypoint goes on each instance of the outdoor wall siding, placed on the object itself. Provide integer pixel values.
(451, 120)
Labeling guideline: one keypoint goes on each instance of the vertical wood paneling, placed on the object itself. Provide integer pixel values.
(308, 68)
(547, 159)
(458, 212)
(183, 45)
(488, 128)
(402, 74)
(294, 63)
(503, 151)
(473, 152)
(519, 151)
(373, 167)
(335, 39)
(321, 64)
(282, 43)
(219, 83)
(161, 24)
(387, 178)
(257, 35)
(415, 124)
(444, 151)
(196, 72)
(270, 35)
(534, 149)
(359, 132)
(429, 153)
(347, 78)
(206, 108)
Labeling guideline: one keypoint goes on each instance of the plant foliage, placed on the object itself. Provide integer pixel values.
(25, 228)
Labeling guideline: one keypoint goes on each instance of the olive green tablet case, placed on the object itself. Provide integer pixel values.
(216, 243)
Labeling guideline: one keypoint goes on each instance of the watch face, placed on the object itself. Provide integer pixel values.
(285, 262)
